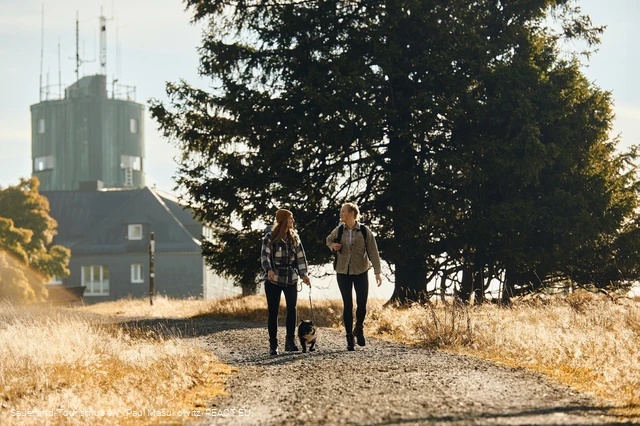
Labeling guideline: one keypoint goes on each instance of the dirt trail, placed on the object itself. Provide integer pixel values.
(381, 383)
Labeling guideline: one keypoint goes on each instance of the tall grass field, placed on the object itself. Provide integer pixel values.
(60, 366)
(82, 361)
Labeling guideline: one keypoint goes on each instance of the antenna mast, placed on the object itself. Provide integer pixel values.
(103, 43)
(41, 52)
(59, 72)
(117, 73)
(77, 47)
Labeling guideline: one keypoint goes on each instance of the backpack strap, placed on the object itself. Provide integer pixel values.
(364, 231)
(340, 232)
(337, 240)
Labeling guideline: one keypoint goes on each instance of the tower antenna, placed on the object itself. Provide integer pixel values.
(77, 47)
(41, 52)
(103, 43)
(59, 73)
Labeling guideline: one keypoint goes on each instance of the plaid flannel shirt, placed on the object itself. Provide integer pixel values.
(286, 261)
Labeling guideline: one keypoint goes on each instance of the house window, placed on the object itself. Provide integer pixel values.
(130, 162)
(135, 232)
(47, 162)
(133, 125)
(41, 126)
(136, 273)
(96, 279)
(55, 280)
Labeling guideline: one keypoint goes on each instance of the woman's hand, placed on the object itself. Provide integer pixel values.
(271, 276)
(337, 246)
(306, 280)
(379, 280)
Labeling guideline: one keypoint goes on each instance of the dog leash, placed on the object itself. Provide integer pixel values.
(311, 307)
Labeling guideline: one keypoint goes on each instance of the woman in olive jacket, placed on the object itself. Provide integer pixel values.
(355, 256)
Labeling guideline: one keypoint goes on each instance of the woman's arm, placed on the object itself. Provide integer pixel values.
(372, 252)
(303, 267)
(265, 253)
(331, 240)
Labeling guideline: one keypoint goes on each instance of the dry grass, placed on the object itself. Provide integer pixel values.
(587, 342)
(53, 360)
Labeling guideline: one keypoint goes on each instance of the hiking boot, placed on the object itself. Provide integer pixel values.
(273, 347)
(290, 344)
(359, 333)
(350, 346)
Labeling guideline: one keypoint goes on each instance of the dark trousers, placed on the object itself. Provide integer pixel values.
(273, 304)
(361, 284)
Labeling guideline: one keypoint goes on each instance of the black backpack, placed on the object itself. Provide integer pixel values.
(363, 229)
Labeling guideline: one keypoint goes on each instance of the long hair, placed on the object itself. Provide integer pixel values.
(280, 231)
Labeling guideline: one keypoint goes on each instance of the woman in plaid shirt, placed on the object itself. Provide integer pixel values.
(283, 260)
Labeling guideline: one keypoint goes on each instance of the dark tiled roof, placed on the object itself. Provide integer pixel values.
(95, 222)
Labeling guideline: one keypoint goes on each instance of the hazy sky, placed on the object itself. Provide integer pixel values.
(157, 44)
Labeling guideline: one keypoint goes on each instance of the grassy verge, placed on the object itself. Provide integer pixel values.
(62, 367)
(59, 358)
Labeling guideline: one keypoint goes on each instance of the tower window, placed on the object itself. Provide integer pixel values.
(133, 125)
(47, 162)
(41, 126)
(130, 162)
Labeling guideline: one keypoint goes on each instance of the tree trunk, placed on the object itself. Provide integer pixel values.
(466, 286)
(405, 197)
(410, 285)
(509, 288)
(249, 288)
(478, 286)
(443, 287)
(407, 210)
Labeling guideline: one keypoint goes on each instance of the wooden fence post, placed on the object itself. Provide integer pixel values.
(152, 274)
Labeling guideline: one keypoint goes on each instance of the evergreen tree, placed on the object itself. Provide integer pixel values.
(442, 119)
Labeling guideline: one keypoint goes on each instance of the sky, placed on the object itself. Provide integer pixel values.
(156, 43)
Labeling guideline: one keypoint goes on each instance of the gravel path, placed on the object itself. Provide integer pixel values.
(381, 383)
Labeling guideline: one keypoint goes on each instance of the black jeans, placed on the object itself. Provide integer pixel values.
(273, 304)
(361, 284)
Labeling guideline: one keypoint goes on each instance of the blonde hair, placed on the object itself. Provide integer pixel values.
(353, 208)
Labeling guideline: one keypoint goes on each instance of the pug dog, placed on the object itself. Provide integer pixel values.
(307, 335)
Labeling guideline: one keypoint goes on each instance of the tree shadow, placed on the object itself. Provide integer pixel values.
(188, 327)
(519, 416)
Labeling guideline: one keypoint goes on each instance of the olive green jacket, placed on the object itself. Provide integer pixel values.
(353, 259)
